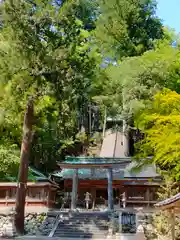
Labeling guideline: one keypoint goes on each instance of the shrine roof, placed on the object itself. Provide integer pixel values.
(33, 176)
(170, 202)
(124, 171)
(94, 160)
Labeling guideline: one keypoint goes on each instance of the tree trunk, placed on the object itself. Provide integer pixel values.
(105, 120)
(23, 169)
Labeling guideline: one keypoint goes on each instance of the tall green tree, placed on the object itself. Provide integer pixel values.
(44, 53)
(135, 80)
(127, 27)
(126, 87)
(125, 30)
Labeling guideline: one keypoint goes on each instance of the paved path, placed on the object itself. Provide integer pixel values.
(122, 237)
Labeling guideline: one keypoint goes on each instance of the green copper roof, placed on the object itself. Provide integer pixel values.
(125, 172)
(68, 173)
(95, 160)
(84, 173)
(33, 176)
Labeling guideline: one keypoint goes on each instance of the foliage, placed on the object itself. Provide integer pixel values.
(9, 158)
(45, 54)
(128, 86)
(95, 143)
(161, 125)
(162, 226)
(169, 187)
(127, 28)
(88, 12)
(53, 50)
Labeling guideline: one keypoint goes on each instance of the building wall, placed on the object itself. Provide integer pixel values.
(36, 195)
(138, 195)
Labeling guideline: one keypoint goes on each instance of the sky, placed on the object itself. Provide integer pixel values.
(169, 12)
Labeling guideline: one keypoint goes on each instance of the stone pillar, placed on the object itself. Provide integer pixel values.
(139, 227)
(137, 220)
(110, 188)
(74, 189)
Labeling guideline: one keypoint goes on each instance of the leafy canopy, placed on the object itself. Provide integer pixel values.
(45, 53)
(135, 80)
(160, 122)
(9, 159)
(127, 27)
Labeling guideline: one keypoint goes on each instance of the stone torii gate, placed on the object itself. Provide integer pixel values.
(92, 163)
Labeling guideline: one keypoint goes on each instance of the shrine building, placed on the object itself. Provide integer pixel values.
(110, 182)
(109, 178)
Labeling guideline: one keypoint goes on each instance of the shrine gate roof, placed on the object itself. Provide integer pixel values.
(122, 168)
(95, 160)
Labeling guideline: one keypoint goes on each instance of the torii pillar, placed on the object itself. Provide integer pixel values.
(110, 189)
(74, 190)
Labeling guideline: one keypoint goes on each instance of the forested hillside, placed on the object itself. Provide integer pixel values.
(76, 58)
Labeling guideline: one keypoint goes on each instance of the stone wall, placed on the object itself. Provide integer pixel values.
(39, 224)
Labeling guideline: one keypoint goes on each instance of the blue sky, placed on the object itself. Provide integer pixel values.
(169, 12)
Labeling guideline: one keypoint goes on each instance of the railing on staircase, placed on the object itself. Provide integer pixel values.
(57, 220)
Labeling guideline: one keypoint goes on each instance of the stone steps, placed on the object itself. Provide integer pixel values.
(80, 234)
(83, 225)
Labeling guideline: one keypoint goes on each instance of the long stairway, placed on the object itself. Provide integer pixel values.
(83, 225)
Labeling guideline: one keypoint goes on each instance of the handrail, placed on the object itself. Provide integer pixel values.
(56, 223)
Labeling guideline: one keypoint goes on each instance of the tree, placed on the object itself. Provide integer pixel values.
(160, 123)
(127, 27)
(88, 13)
(44, 53)
(137, 79)
(23, 169)
(130, 33)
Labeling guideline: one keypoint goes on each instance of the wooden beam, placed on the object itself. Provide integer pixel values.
(147, 196)
(120, 165)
